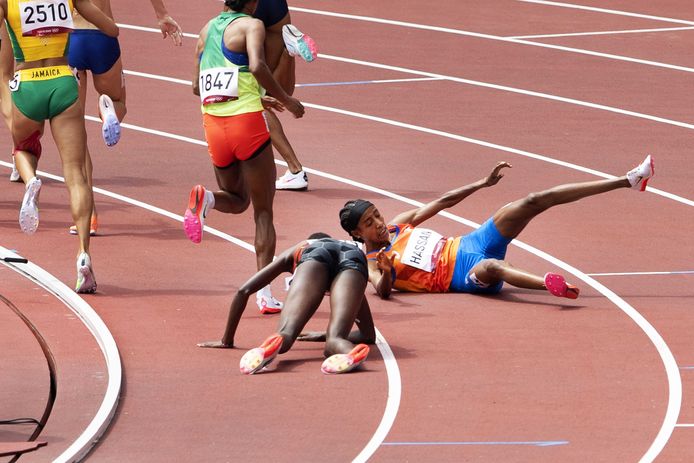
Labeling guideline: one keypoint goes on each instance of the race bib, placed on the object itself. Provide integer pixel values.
(14, 83)
(423, 249)
(45, 17)
(218, 85)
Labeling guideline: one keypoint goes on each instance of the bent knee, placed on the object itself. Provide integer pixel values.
(494, 268)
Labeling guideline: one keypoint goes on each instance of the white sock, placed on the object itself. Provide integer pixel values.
(266, 291)
(209, 197)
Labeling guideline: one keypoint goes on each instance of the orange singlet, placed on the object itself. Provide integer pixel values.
(424, 260)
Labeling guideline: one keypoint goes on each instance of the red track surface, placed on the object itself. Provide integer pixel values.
(479, 374)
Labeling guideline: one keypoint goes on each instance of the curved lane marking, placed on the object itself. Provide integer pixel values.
(102, 419)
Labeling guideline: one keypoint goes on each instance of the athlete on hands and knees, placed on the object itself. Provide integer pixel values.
(409, 258)
(44, 88)
(283, 42)
(230, 70)
(92, 50)
(318, 265)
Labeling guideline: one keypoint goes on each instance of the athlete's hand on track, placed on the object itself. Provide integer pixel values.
(215, 344)
(312, 336)
(496, 174)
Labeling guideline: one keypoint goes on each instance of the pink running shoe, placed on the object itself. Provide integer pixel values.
(298, 43)
(638, 176)
(557, 285)
(342, 363)
(194, 217)
(256, 359)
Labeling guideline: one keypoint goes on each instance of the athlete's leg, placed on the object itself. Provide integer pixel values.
(492, 271)
(70, 137)
(281, 143)
(6, 71)
(259, 176)
(88, 167)
(232, 198)
(283, 67)
(511, 219)
(346, 294)
(23, 129)
(111, 83)
(305, 295)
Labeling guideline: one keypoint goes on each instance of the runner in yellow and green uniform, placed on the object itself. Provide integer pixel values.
(44, 88)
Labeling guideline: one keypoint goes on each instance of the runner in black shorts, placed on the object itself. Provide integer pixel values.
(319, 265)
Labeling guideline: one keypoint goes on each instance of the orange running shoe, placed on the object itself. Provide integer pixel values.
(194, 217)
(342, 363)
(256, 359)
(557, 285)
(93, 227)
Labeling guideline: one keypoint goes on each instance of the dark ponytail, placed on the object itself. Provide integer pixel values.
(236, 5)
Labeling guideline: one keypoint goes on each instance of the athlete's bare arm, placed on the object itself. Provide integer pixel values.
(450, 199)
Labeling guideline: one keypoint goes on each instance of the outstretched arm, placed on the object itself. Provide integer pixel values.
(168, 26)
(450, 199)
(264, 277)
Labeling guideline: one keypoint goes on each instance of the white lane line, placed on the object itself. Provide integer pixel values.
(477, 83)
(392, 403)
(614, 12)
(98, 425)
(520, 91)
(495, 146)
(500, 39)
(440, 133)
(584, 34)
(685, 425)
(671, 368)
(674, 272)
(389, 360)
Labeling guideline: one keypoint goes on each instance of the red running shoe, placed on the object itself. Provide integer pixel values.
(256, 359)
(342, 363)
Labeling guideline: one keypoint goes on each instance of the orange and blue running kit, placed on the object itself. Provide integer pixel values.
(425, 261)
(235, 127)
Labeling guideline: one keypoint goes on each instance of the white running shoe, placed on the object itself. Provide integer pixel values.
(638, 176)
(298, 43)
(14, 176)
(289, 181)
(268, 304)
(86, 283)
(110, 129)
(29, 213)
